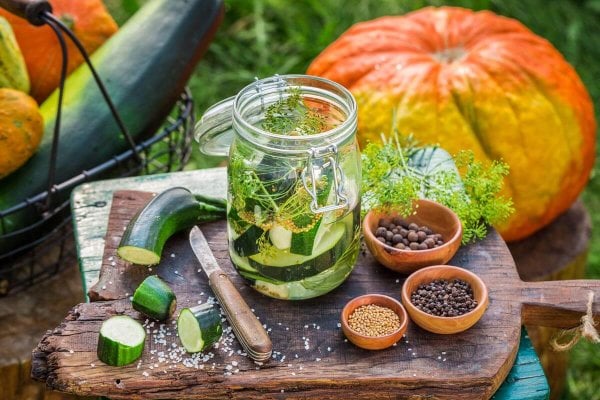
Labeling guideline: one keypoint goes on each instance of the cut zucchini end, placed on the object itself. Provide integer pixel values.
(172, 308)
(189, 331)
(154, 298)
(121, 341)
(138, 255)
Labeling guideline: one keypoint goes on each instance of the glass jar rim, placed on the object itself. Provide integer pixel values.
(339, 132)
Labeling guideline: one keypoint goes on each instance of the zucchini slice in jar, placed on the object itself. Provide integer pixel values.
(285, 266)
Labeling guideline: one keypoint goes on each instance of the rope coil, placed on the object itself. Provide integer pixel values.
(587, 330)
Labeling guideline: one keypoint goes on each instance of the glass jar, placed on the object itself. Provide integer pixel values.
(293, 217)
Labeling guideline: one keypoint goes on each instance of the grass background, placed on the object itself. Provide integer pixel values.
(264, 37)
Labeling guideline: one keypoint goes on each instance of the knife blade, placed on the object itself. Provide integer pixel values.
(247, 328)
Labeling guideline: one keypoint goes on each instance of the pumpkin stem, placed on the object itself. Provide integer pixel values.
(450, 55)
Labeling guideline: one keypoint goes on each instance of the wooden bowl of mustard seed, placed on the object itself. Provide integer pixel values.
(444, 299)
(374, 321)
(430, 236)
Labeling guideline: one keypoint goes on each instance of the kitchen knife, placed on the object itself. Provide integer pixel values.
(247, 328)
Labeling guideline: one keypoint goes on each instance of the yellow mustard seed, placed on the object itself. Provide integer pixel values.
(374, 320)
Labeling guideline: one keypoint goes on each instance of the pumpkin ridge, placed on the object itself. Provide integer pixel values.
(509, 179)
(531, 107)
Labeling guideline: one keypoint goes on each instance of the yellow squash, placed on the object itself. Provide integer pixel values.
(13, 72)
(21, 128)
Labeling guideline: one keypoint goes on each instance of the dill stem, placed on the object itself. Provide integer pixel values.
(265, 192)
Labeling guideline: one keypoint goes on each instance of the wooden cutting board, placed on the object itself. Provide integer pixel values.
(312, 359)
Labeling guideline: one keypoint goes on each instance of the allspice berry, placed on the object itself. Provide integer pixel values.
(397, 233)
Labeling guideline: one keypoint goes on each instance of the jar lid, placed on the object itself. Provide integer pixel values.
(214, 132)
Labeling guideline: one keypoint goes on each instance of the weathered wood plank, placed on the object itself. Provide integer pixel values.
(91, 203)
(473, 363)
(545, 256)
(89, 194)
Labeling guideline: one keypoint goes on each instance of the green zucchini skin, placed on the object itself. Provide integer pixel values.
(169, 212)
(247, 243)
(213, 201)
(111, 351)
(154, 298)
(300, 267)
(144, 66)
(206, 324)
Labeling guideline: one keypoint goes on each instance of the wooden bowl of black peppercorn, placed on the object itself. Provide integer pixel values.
(444, 299)
(433, 230)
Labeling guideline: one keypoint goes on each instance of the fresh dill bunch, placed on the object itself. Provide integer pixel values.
(482, 205)
(394, 176)
(290, 116)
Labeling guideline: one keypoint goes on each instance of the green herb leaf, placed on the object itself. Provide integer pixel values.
(290, 116)
(397, 173)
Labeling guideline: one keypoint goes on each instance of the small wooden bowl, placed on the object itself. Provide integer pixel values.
(374, 342)
(439, 218)
(445, 325)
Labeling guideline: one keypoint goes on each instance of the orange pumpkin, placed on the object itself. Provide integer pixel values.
(474, 80)
(88, 19)
(21, 129)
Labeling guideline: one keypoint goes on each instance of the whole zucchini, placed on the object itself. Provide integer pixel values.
(171, 211)
(145, 66)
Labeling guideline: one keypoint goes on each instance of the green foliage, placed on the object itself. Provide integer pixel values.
(290, 116)
(390, 180)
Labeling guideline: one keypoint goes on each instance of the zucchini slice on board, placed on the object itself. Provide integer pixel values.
(199, 327)
(121, 341)
(154, 298)
(169, 212)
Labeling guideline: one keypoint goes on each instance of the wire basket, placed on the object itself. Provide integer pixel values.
(49, 240)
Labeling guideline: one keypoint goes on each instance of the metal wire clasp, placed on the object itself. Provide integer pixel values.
(319, 160)
(276, 80)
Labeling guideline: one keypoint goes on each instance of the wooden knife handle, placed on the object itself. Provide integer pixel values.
(559, 304)
(247, 328)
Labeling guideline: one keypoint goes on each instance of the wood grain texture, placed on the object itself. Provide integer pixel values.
(91, 204)
(547, 256)
(472, 363)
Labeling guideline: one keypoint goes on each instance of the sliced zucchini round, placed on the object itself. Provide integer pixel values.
(199, 327)
(286, 266)
(154, 298)
(121, 341)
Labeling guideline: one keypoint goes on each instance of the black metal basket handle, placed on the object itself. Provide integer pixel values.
(31, 10)
(39, 12)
